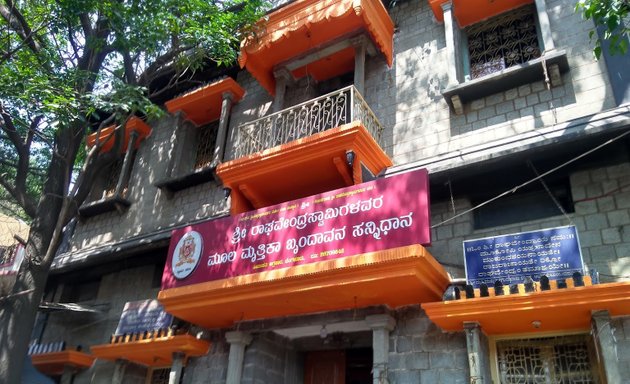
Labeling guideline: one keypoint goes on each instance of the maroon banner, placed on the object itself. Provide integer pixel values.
(382, 214)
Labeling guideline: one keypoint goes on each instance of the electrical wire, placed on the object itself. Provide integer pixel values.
(539, 177)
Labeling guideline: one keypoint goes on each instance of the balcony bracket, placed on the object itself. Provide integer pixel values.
(342, 168)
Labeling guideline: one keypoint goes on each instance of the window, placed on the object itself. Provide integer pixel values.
(194, 157)
(206, 139)
(158, 376)
(110, 190)
(561, 359)
(530, 204)
(112, 178)
(81, 292)
(500, 53)
(502, 42)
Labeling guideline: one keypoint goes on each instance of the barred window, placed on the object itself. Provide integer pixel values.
(159, 376)
(562, 359)
(205, 146)
(503, 41)
(113, 174)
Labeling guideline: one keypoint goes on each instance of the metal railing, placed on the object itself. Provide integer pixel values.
(317, 115)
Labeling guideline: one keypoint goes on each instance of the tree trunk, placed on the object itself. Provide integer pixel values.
(19, 309)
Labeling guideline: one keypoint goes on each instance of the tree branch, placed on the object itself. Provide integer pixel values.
(18, 24)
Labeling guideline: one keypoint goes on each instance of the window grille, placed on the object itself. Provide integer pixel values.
(113, 175)
(7, 254)
(503, 41)
(549, 360)
(160, 376)
(205, 146)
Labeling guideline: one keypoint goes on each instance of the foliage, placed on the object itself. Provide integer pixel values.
(46, 79)
(71, 66)
(610, 15)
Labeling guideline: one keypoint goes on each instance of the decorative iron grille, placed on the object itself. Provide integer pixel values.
(160, 376)
(314, 116)
(503, 41)
(113, 175)
(550, 360)
(205, 146)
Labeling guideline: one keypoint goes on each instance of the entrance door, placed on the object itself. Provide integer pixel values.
(325, 367)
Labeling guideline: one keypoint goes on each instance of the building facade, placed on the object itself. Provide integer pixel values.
(520, 130)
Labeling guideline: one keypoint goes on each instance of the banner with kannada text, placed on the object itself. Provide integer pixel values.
(378, 215)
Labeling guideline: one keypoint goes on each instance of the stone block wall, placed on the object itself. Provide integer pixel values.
(212, 368)
(621, 331)
(407, 100)
(86, 329)
(266, 359)
(420, 352)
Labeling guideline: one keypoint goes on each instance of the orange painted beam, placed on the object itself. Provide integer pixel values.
(395, 277)
(106, 135)
(156, 352)
(203, 105)
(53, 363)
(306, 24)
(468, 12)
(556, 310)
(300, 168)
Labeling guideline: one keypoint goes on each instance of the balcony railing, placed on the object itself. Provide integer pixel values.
(317, 115)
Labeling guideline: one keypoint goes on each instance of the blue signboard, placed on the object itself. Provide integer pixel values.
(144, 315)
(553, 252)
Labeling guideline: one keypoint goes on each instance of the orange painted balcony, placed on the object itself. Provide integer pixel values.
(320, 145)
(53, 363)
(203, 105)
(567, 309)
(304, 27)
(152, 351)
(468, 12)
(394, 277)
(106, 138)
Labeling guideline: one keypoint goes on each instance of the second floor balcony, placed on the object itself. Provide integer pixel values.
(328, 142)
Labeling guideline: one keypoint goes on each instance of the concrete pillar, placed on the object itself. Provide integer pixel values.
(67, 375)
(545, 27)
(478, 359)
(451, 32)
(360, 48)
(283, 79)
(119, 371)
(606, 345)
(219, 147)
(381, 326)
(176, 368)
(238, 341)
(125, 172)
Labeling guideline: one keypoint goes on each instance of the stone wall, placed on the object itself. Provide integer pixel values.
(602, 218)
(407, 100)
(621, 331)
(420, 352)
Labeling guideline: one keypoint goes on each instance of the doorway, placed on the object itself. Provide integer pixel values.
(343, 366)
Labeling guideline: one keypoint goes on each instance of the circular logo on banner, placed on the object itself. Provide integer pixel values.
(186, 255)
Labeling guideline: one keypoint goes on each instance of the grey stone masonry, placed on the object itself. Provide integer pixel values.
(601, 198)
(421, 353)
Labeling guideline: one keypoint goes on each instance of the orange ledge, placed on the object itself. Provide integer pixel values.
(53, 363)
(304, 25)
(556, 310)
(469, 12)
(203, 105)
(153, 352)
(301, 168)
(106, 136)
(395, 277)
